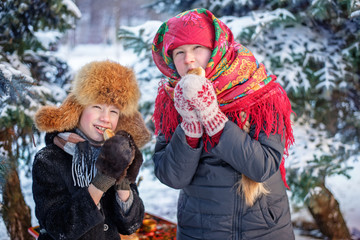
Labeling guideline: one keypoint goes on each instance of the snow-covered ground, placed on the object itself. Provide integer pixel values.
(162, 200)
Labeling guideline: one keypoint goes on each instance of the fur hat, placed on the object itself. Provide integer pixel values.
(103, 82)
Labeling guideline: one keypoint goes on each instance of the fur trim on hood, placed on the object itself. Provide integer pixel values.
(103, 82)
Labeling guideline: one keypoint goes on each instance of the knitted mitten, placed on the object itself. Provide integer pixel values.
(190, 120)
(200, 94)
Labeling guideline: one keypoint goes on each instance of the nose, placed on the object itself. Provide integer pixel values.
(189, 58)
(105, 116)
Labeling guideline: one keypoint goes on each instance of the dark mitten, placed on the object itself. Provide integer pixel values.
(134, 168)
(115, 156)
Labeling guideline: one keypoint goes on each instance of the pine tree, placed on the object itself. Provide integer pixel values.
(313, 48)
(29, 77)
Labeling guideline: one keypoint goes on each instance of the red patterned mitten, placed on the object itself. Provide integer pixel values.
(190, 120)
(200, 93)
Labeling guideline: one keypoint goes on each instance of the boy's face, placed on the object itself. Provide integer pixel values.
(187, 57)
(96, 118)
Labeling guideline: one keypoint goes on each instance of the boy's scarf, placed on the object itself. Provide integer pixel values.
(240, 82)
(84, 152)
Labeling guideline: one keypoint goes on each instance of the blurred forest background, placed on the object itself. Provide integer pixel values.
(312, 46)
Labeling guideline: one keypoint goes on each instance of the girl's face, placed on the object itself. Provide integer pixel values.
(96, 118)
(187, 57)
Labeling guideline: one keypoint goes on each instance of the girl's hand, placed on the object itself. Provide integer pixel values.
(199, 93)
(190, 119)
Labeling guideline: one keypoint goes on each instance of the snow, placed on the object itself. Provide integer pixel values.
(355, 14)
(258, 18)
(82, 54)
(71, 6)
(162, 200)
(8, 71)
(48, 37)
(347, 193)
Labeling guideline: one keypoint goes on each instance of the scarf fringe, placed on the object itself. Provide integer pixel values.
(269, 110)
(84, 155)
(165, 116)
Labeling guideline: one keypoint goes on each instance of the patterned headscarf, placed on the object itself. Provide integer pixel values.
(240, 82)
(232, 68)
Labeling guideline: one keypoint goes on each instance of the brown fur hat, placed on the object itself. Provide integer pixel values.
(103, 82)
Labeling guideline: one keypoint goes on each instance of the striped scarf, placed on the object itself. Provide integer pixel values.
(85, 153)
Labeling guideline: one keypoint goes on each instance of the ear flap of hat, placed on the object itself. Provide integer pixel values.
(135, 125)
(65, 117)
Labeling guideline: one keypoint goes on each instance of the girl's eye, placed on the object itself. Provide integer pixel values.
(178, 53)
(198, 47)
(115, 112)
(96, 106)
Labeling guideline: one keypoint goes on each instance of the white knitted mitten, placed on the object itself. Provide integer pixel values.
(190, 120)
(200, 93)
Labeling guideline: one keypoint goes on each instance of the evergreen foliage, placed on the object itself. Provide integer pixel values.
(26, 72)
(314, 175)
(29, 77)
(21, 19)
(139, 39)
(25, 66)
(315, 55)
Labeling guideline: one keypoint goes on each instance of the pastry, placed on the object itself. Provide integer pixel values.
(197, 71)
(108, 133)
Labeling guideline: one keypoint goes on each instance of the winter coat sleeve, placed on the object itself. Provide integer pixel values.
(257, 159)
(64, 215)
(175, 161)
(127, 222)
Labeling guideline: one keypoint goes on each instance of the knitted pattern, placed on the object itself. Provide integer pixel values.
(190, 120)
(200, 95)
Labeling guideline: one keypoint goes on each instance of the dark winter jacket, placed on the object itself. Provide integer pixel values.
(209, 206)
(65, 211)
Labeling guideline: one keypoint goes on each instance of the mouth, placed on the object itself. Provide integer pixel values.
(102, 129)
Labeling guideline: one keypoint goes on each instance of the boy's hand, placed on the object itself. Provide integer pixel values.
(115, 157)
(134, 167)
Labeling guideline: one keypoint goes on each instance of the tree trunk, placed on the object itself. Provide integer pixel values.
(326, 212)
(16, 214)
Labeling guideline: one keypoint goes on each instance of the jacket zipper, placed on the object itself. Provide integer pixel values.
(237, 215)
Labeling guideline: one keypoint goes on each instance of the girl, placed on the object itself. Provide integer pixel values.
(232, 182)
